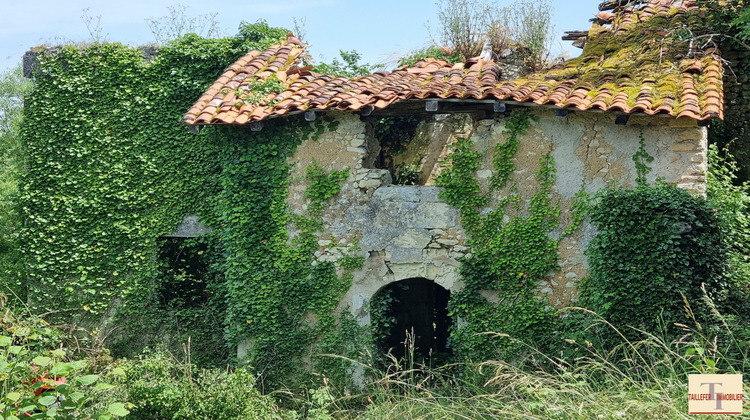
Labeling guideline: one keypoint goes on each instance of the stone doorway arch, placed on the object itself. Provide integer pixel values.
(415, 313)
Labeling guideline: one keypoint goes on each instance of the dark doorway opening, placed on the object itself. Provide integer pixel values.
(414, 311)
(184, 269)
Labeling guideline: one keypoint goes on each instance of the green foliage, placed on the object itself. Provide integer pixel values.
(258, 90)
(729, 18)
(349, 66)
(741, 22)
(107, 176)
(728, 23)
(39, 379)
(184, 305)
(380, 322)
(260, 35)
(509, 257)
(111, 169)
(406, 174)
(642, 378)
(278, 297)
(323, 186)
(732, 203)
(13, 89)
(654, 246)
(641, 158)
(430, 52)
(505, 152)
(161, 387)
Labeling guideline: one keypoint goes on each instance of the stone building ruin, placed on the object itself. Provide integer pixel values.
(593, 112)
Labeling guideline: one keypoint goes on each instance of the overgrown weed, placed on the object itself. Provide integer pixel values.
(644, 378)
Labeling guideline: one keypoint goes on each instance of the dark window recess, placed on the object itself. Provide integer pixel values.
(184, 268)
(412, 147)
(416, 307)
(397, 153)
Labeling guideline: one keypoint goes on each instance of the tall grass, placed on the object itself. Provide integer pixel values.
(636, 379)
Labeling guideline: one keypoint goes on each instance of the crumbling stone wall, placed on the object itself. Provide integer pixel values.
(407, 231)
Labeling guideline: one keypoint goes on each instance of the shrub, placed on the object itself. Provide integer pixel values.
(732, 203)
(655, 246)
(39, 379)
(162, 387)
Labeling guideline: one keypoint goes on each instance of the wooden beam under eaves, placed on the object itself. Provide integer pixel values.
(486, 107)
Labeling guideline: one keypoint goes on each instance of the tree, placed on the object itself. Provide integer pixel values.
(349, 66)
(13, 88)
(178, 23)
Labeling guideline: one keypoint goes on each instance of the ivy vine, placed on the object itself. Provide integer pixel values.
(111, 170)
(511, 251)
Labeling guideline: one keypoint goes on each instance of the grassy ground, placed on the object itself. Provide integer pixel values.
(638, 379)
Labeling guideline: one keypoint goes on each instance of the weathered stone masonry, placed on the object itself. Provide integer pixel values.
(407, 231)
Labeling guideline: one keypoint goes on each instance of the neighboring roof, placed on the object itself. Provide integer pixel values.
(629, 64)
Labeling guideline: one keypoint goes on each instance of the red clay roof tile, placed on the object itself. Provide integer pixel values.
(628, 66)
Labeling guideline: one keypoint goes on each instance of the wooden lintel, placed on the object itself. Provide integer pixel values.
(445, 107)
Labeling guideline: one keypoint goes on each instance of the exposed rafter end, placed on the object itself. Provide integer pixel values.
(309, 116)
(195, 129)
(561, 112)
(256, 126)
(366, 110)
(704, 123)
(431, 106)
(499, 106)
(622, 119)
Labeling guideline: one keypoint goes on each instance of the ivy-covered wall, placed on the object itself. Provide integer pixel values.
(407, 231)
(111, 171)
(305, 229)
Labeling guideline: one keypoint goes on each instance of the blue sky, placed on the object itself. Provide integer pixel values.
(381, 30)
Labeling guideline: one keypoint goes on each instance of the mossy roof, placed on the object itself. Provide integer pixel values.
(641, 61)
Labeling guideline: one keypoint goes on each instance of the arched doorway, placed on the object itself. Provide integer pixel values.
(415, 306)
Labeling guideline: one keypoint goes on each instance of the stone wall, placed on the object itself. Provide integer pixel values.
(407, 231)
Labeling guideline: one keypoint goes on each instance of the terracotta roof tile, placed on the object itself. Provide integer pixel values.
(628, 65)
